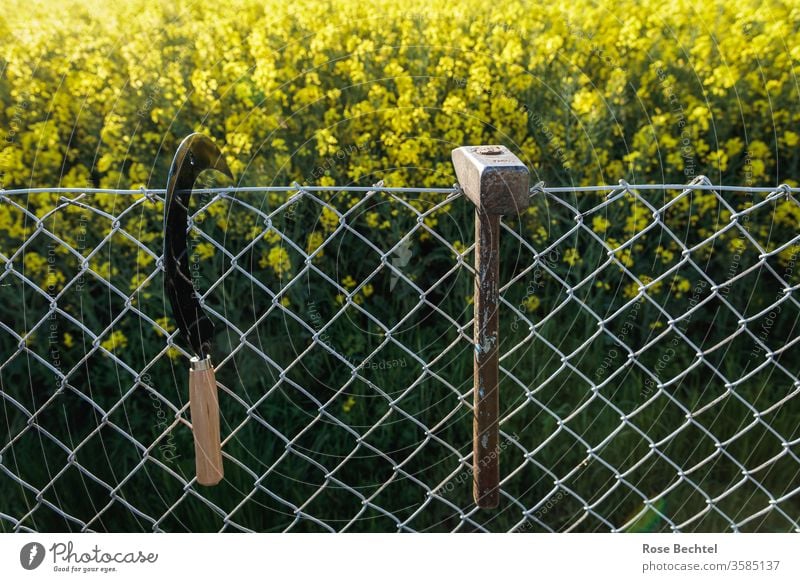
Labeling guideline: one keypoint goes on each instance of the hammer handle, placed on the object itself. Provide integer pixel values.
(204, 407)
(485, 441)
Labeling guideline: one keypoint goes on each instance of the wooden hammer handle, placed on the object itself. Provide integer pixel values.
(204, 407)
(485, 440)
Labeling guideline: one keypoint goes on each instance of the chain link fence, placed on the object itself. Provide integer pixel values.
(648, 372)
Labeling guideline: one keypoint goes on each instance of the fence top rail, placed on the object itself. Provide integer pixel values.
(540, 187)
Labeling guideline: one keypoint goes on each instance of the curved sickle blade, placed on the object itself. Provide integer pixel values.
(195, 154)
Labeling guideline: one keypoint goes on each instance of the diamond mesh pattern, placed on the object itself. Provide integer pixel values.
(633, 399)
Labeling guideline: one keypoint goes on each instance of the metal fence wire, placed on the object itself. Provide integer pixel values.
(648, 371)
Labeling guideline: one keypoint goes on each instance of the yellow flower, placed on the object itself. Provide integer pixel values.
(571, 257)
(349, 282)
(204, 250)
(278, 259)
(586, 102)
(68, 340)
(326, 142)
(165, 323)
(329, 219)
(348, 404)
(315, 240)
(143, 259)
(666, 255)
(600, 224)
(646, 280)
(638, 219)
(631, 290)
(271, 236)
(531, 303)
(34, 263)
(116, 340)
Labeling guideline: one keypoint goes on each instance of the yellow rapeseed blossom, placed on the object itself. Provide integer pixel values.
(531, 303)
(571, 257)
(329, 219)
(278, 260)
(315, 240)
(348, 404)
(664, 254)
(600, 224)
(630, 290)
(204, 250)
(165, 323)
(116, 341)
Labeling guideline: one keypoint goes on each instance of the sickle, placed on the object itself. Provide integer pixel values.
(195, 154)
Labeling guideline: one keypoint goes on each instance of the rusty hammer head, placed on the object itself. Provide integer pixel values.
(493, 178)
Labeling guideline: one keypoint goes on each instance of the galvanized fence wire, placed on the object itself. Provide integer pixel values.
(542, 487)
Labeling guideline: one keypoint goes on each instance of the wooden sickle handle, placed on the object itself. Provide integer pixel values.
(204, 407)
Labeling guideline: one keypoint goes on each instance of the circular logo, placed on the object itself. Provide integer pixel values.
(31, 555)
